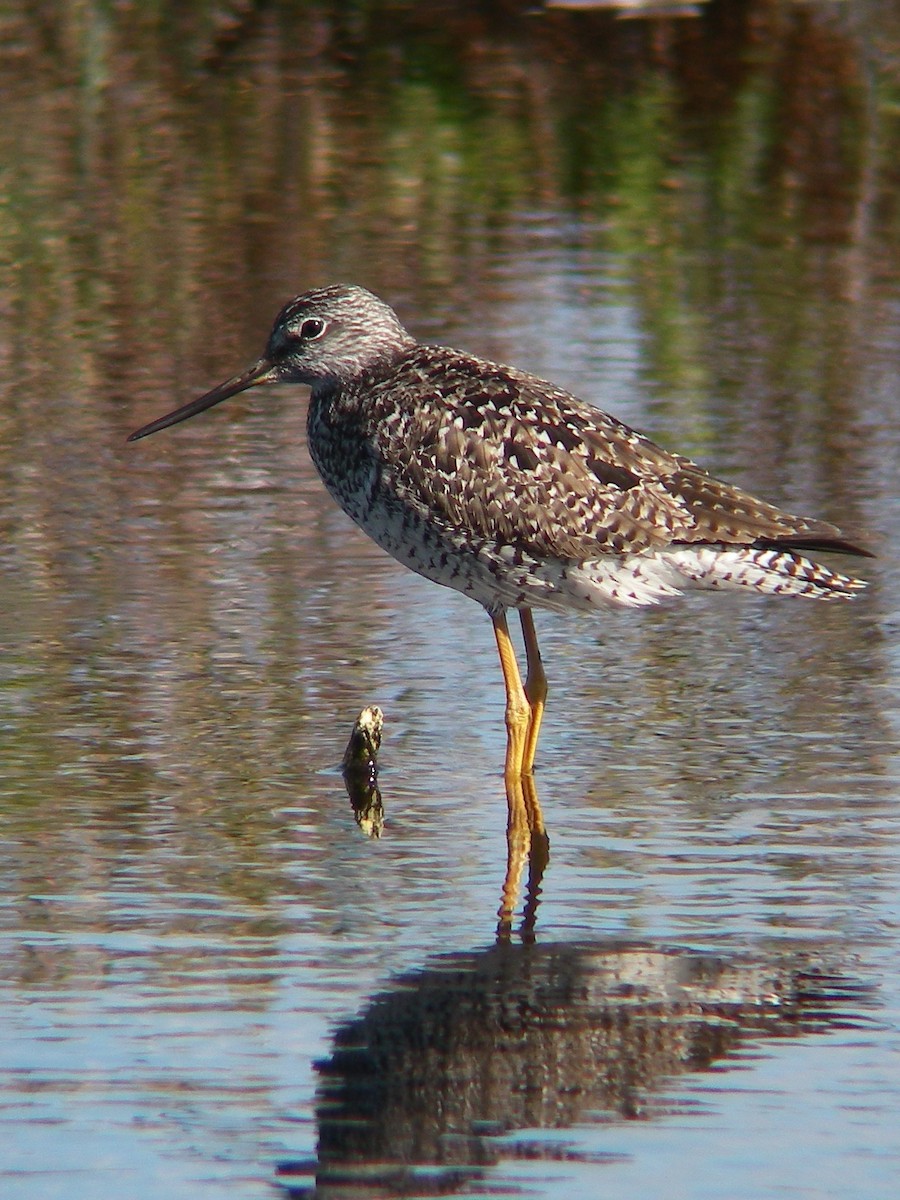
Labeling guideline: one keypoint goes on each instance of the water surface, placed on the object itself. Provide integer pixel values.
(689, 222)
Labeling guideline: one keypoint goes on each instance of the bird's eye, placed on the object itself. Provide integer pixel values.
(312, 328)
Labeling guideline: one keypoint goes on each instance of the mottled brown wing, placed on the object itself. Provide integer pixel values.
(501, 456)
(723, 513)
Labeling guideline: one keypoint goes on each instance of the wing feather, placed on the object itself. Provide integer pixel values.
(514, 460)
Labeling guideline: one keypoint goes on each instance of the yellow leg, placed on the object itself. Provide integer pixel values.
(535, 688)
(518, 709)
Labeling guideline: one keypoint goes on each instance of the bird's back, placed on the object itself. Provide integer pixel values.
(518, 493)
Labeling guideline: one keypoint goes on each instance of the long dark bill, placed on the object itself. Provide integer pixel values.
(260, 372)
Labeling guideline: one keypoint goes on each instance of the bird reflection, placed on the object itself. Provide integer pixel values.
(423, 1093)
(526, 1036)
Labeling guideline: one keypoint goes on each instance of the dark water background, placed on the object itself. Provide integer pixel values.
(692, 221)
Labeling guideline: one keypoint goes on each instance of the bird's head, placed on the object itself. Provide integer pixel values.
(331, 334)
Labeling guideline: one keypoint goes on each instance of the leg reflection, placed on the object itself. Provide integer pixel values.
(526, 841)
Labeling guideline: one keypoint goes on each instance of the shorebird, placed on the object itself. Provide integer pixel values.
(507, 488)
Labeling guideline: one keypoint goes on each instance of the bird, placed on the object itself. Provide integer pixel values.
(512, 491)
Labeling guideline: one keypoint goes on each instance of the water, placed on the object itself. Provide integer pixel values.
(192, 923)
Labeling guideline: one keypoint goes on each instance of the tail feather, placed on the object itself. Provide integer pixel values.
(773, 571)
(823, 545)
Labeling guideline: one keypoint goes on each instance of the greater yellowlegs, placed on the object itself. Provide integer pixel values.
(512, 491)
